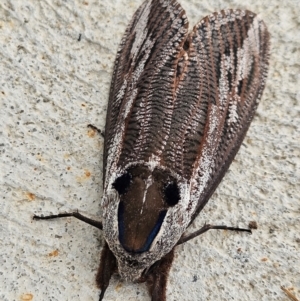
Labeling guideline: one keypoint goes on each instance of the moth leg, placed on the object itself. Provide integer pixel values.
(207, 227)
(157, 277)
(75, 214)
(108, 266)
(100, 132)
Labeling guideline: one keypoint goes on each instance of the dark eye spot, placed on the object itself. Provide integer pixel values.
(186, 45)
(171, 193)
(122, 183)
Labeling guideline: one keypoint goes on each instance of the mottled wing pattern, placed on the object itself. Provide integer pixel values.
(219, 90)
(142, 91)
(185, 100)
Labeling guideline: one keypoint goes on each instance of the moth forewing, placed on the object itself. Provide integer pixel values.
(180, 105)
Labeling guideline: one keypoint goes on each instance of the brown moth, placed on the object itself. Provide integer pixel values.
(179, 108)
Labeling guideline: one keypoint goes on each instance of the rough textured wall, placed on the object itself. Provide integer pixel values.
(53, 83)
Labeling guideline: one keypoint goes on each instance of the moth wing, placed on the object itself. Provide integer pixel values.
(222, 81)
(142, 89)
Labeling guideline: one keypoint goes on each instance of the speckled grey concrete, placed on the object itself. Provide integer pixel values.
(52, 85)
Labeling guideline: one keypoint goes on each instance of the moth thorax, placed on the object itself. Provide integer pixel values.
(145, 197)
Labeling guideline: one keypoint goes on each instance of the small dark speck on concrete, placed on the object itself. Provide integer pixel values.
(57, 138)
(252, 225)
(79, 38)
(195, 278)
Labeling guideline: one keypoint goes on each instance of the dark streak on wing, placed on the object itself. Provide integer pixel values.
(247, 91)
(197, 132)
(147, 124)
(189, 118)
(122, 67)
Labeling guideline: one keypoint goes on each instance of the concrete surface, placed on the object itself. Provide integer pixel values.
(52, 84)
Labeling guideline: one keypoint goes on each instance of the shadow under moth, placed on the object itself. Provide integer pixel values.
(180, 105)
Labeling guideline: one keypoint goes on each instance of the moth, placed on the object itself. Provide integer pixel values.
(180, 105)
